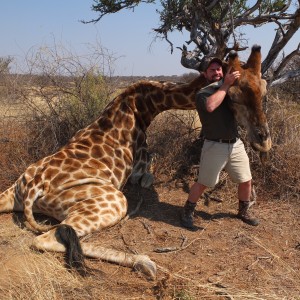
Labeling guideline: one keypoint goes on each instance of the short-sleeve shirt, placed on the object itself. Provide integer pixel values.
(220, 123)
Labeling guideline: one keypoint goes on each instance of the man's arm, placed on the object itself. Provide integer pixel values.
(217, 98)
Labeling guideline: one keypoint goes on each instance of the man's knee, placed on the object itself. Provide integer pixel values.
(246, 184)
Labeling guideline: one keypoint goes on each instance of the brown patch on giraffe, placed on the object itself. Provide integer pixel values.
(27, 202)
(31, 195)
(86, 221)
(115, 134)
(96, 137)
(118, 174)
(65, 206)
(97, 151)
(140, 104)
(93, 218)
(116, 208)
(59, 179)
(119, 163)
(169, 101)
(81, 154)
(119, 154)
(110, 197)
(158, 97)
(107, 161)
(81, 148)
(118, 121)
(55, 162)
(180, 99)
(51, 172)
(150, 106)
(86, 142)
(30, 173)
(60, 155)
(81, 195)
(79, 174)
(125, 136)
(103, 204)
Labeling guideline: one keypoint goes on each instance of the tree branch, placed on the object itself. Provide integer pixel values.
(281, 40)
(288, 75)
(285, 61)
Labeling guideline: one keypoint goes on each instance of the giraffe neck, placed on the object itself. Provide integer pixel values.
(152, 98)
(117, 136)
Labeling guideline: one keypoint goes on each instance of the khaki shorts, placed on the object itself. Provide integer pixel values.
(217, 156)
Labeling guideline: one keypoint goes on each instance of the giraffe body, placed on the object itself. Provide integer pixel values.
(80, 185)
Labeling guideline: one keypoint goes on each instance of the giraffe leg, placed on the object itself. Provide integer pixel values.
(85, 217)
(140, 263)
(140, 169)
(64, 239)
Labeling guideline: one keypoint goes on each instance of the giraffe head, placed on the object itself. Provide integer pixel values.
(247, 95)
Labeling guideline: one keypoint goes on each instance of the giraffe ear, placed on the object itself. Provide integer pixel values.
(254, 60)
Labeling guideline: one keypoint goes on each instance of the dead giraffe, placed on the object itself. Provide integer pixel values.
(80, 185)
(246, 99)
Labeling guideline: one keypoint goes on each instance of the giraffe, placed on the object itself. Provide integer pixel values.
(81, 184)
(246, 99)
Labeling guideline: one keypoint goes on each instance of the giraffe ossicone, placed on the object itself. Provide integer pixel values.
(80, 185)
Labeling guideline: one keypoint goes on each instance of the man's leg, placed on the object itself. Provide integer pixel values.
(213, 158)
(244, 193)
(239, 171)
(187, 213)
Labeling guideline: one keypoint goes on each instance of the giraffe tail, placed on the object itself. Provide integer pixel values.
(28, 213)
(66, 235)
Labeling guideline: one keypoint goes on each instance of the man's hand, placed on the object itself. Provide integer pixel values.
(217, 98)
(230, 78)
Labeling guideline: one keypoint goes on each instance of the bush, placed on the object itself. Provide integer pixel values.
(59, 95)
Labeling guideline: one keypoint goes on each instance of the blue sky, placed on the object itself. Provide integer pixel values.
(128, 35)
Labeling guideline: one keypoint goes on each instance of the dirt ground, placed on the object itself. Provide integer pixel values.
(223, 259)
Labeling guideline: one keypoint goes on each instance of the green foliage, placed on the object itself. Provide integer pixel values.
(104, 7)
(84, 102)
(272, 6)
(75, 106)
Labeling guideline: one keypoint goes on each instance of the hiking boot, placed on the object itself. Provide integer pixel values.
(187, 214)
(244, 215)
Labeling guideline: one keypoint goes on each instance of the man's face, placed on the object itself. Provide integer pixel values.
(214, 72)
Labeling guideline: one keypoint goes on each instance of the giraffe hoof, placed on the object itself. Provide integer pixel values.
(145, 265)
(147, 180)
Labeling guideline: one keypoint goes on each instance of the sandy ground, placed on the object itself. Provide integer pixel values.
(223, 259)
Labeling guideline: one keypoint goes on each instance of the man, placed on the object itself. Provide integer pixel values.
(222, 149)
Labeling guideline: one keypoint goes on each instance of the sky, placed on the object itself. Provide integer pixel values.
(127, 35)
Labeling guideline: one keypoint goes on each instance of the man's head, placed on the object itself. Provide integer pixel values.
(213, 70)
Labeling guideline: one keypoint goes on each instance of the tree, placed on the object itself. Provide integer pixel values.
(212, 25)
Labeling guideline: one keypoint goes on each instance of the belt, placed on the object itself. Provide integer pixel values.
(232, 141)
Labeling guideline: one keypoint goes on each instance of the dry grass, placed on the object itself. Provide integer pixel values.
(29, 275)
(227, 260)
